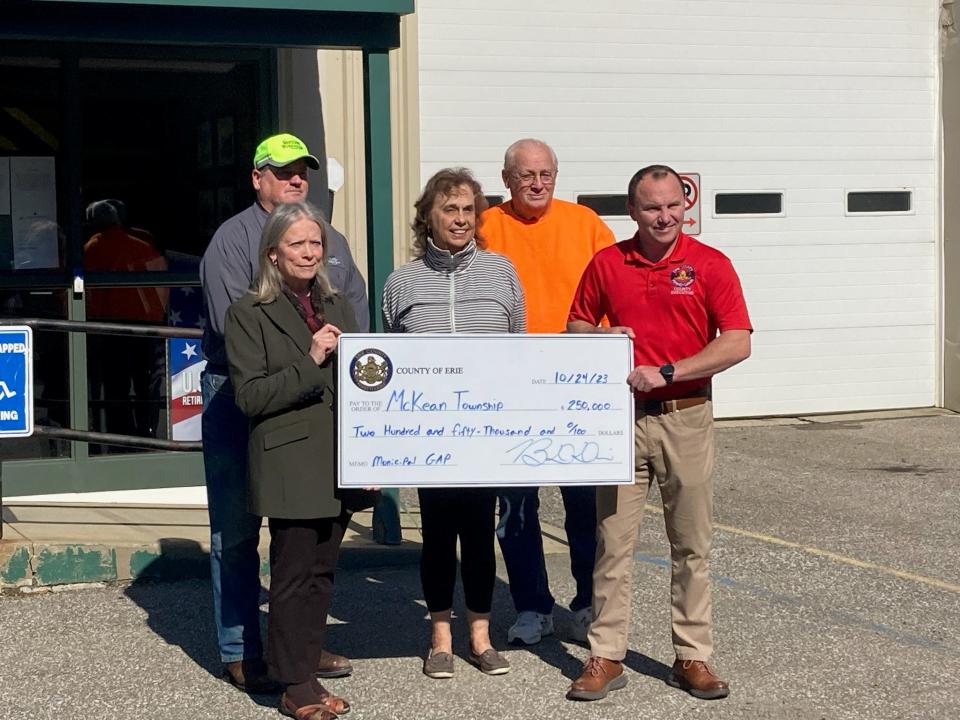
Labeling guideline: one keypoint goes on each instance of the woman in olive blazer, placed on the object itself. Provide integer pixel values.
(281, 343)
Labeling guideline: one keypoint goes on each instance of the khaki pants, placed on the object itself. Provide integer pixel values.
(677, 449)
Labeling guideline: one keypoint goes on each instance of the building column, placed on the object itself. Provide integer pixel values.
(376, 123)
(379, 185)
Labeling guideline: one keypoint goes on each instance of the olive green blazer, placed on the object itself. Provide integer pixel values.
(291, 403)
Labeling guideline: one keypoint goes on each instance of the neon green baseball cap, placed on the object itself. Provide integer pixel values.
(283, 149)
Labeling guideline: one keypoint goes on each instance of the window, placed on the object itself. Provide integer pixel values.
(606, 205)
(748, 203)
(879, 201)
(494, 200)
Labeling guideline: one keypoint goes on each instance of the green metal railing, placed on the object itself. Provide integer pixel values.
(102, 438)
(386, 522)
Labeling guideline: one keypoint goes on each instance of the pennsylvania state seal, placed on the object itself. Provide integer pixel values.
(371, 369)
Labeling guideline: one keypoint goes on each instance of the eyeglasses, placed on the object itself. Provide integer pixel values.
(287, 173)
(547, 177)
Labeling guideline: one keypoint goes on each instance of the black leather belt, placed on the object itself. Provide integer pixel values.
(664, 407)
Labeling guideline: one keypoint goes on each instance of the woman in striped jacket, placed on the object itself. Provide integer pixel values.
(454, 286)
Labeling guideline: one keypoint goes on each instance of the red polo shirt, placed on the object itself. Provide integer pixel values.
(675, 306)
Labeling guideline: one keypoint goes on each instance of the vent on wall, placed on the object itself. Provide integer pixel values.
(748, 203)
(879, 201)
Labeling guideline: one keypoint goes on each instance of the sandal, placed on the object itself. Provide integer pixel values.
(324, 710)
(334, 704)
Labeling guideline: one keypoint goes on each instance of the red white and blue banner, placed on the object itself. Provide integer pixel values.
(186, 402)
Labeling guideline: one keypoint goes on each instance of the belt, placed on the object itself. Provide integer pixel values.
(665, 407)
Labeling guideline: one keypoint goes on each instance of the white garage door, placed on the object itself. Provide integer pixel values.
(807, 99)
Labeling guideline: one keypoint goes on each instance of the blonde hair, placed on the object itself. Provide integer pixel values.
(269, 283)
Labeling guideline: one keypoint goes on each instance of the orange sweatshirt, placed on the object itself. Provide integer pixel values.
(550, 255)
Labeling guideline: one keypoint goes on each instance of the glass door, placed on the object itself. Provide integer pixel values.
(117, 163)
(33, 232)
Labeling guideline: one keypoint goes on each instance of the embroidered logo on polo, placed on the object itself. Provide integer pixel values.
(371, 369)
(683, 277)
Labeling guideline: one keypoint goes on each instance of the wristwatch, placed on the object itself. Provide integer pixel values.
(667, 372)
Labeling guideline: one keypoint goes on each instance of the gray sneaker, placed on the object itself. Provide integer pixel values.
(580, 624)
(530, 628)
(491, 662)
(438, 665)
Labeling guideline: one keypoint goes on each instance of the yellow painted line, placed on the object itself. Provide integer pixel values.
(810, 550)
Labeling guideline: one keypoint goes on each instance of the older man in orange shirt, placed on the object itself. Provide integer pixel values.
(550, 242)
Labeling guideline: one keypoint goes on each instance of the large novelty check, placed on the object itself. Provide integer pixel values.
(484, 410)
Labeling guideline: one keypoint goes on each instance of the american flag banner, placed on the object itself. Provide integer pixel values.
(186, 362)
(185, 357)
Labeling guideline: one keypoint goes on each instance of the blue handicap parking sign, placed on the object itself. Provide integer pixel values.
(16, 381)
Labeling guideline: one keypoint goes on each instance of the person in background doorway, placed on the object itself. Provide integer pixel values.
(125, 371)
(550, 242)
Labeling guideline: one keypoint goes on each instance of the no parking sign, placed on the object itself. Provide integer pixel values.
(691, 190)
(16, 381)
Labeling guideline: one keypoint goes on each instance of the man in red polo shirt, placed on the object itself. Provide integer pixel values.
(681, 303)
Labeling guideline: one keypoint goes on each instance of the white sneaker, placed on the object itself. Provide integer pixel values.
(580, 624)
(530, 628)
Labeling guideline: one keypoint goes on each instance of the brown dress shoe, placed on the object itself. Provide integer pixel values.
(598, 677)
(696, 677)
(249, 676)
(333, 666)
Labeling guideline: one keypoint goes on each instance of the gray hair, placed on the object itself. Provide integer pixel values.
(510, 156)
(102, 214)
(269, 283)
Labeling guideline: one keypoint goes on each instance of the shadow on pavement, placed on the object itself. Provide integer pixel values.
(174, 590)
(377, 612)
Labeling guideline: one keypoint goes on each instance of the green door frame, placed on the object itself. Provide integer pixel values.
(370, 26)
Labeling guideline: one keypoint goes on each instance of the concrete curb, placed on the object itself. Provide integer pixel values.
(47, 545)
(50, 545)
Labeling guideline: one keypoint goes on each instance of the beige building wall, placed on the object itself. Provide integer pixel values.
(950, 100)
(341, 90)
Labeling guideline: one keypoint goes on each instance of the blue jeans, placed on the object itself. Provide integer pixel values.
(234, 532)
(522, 545)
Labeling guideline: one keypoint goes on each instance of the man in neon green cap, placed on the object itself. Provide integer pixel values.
(281, 165)
(280, 170)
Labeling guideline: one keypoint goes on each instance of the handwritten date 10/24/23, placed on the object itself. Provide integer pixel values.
(575, 378)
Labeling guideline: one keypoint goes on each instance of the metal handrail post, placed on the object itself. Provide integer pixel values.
(77, 372)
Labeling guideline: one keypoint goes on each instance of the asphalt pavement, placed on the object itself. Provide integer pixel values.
(836, 595)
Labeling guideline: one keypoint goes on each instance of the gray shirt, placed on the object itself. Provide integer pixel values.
(229, 267)
(472, 291)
